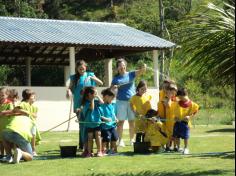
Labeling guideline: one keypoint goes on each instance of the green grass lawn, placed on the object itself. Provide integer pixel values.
(212, 153)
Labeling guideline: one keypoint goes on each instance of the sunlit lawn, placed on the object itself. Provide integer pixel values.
(212, 153)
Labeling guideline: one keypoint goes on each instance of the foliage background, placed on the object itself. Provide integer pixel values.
(140, 14)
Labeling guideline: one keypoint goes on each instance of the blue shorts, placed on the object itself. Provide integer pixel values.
(15, 138)
(124, 111)
(181, 130)
(109, 135)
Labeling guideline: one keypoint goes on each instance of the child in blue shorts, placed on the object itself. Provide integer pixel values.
(184, 109)
(109, 133)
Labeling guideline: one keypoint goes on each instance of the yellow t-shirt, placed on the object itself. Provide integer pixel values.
(156, 134)
(4, 121)
(168, 114)
(30, 109)
(141, 105)
(181, 112)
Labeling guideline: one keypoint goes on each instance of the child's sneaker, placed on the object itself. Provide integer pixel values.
(89, 155)
(17, 155)
(7, 159)
(132, 142)
(121, 143)
(186, 151)
(34, 153)
(99, 154)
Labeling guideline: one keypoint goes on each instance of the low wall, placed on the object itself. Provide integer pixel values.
(54, 108)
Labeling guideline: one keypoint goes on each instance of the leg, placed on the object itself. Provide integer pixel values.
(90, 142)
(33, 143)
(131, 130)
(185, 143)
(98, 140)
(120, 129)
(1, 148)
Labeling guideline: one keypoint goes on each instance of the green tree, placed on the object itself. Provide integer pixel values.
(210, 41)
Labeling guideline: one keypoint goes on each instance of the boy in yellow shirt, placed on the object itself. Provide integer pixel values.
(184, 110)
(140, 104)
(165, 111)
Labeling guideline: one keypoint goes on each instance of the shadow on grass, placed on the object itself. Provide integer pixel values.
(222, 155)
(225, 130)
(174, 173)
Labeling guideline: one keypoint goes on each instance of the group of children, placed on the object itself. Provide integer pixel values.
(11, 113)
(171, 122)
(162, 128)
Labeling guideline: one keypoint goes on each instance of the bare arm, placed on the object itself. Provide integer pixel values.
(142, 70)
(98, 81)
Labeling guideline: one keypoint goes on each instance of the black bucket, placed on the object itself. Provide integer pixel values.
(142, 147)
(68, 151)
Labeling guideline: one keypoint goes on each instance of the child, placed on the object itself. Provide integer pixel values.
(155, 132)
(140, 104)
(184, 110)
(92, 115)
(109, 133)
(13, 96)
(27, 107)
(165, 111)
(5, 105)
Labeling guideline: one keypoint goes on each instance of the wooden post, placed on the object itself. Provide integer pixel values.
(28, 71)
(72, 71)
(108, 72)
(156, 71)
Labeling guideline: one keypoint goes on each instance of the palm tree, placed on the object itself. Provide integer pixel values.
(210, 40)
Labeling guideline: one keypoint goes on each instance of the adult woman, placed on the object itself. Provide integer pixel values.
(124, 82)
(75, 87)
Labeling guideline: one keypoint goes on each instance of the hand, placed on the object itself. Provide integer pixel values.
(114, 87)
(187, 118)
(69, 94)
(78, 110)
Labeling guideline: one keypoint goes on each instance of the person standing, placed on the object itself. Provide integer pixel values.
(124, 82)
(75, 87)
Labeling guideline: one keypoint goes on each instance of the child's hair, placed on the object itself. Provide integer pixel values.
(171, 87)
(77, 74)
(13, 93)
(141, 84)
(182, 92)
(26, 94)
(108, 92)
(4, 90)
(86, 92)
(151, 113)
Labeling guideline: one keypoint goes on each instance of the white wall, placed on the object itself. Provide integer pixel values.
(54, 107)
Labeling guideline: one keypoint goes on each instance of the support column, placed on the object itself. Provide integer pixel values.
(28, 71)
(66, 74)
(108, 72)
(156, 71)
(72, 60)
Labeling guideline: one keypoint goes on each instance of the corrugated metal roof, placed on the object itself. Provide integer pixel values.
(78, 33)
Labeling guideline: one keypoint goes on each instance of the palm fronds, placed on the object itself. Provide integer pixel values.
(210, 42)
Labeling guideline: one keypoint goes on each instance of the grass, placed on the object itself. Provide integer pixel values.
(212, 153)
